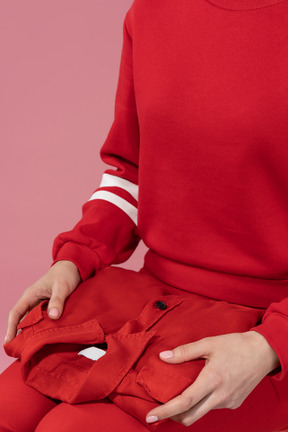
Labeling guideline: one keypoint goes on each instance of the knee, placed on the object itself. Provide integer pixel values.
(21, 407)
(6, 425)
(57, 422)
(66, 418)
(11, 419)
(10, 412)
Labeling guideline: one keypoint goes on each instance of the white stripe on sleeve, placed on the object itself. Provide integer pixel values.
(124, 205)
(109, 180)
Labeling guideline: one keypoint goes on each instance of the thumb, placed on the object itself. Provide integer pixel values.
(56, 303)
(183, 353)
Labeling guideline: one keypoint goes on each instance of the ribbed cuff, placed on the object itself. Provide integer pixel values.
(86, 260)
(275, 330)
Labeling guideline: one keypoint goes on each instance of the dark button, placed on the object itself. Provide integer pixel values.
(161, 305)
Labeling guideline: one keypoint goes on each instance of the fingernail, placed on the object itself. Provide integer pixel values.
(166, 354)
(53, 313)
(151, 419)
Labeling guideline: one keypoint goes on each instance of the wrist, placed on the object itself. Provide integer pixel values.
(267, 352)
(71, 267)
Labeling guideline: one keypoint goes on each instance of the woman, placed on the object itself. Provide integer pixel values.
(201, 128)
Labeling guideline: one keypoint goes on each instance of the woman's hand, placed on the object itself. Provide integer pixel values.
(235, 364)
(60, 281)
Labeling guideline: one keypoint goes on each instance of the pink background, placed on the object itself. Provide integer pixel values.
(59, 71)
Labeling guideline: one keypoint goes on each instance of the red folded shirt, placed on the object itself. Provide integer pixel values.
(131, 317)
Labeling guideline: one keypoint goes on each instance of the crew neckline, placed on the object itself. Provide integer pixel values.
(244, 4)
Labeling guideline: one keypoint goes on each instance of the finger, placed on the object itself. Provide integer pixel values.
(200, 389)
(15, 315)
(56, 304)
(198, 411)
(191, 351)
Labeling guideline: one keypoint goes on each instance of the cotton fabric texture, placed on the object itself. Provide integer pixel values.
(133, 316)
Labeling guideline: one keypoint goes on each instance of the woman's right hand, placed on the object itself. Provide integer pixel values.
(57, 284)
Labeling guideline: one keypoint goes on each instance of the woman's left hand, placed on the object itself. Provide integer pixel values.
(235, 364)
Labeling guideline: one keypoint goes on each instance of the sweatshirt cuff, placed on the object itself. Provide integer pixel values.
(86, 260)
(275, 330)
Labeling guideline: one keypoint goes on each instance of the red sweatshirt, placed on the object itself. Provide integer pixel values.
(201, 132)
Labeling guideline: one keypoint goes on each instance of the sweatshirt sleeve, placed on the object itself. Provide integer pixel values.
(274, 327)
(107, 232)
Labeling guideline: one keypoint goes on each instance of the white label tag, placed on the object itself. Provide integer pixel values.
(93, 353)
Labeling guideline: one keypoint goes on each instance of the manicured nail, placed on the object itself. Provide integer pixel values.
(53, 313)
(166, 354)
(151, 419)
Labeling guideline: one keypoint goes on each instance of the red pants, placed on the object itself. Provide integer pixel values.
(23, 409)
